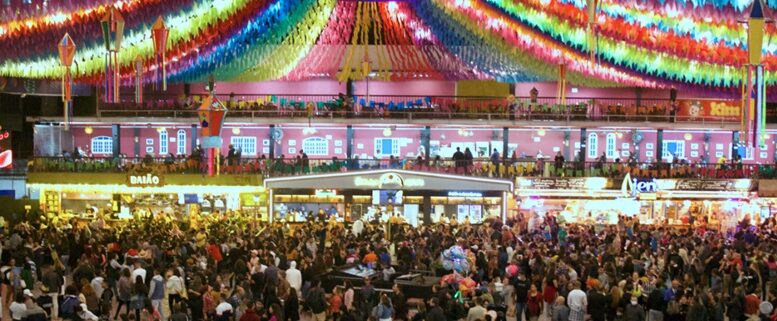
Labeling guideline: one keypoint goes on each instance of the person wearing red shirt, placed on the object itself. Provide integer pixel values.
(250, 313)
(214, 250)
(751, 304)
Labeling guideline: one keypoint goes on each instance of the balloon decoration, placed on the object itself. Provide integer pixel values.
(67, 49)
(661, 44)
(455, 259)
(112, 25)
(159, 33)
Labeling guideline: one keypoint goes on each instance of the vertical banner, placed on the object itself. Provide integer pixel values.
(758, 108)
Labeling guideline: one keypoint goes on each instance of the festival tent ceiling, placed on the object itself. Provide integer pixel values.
(647, 43)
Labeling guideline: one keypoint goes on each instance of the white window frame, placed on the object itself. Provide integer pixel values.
(164, 143)
(246, 144)
(610, 146)
(666, 156)
(749, 152)
(181, 141)
(315, 146)
(593, 145)
(394, 146)
(102, 145)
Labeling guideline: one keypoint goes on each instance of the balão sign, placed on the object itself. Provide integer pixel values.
(142, 180)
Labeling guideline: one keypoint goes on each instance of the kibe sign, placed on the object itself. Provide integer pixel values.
(144, 180)
(709, 109)
(633, 187)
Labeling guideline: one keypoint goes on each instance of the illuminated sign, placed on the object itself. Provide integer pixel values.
(326, 193)
(388, 180)
(634, 187)
(464, 194)
(144, 180)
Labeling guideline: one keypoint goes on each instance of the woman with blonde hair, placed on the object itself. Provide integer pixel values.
(89, 297)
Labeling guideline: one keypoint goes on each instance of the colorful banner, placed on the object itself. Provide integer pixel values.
(709, 110)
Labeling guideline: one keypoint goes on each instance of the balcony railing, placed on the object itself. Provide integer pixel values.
(506, 169)
(411, 107)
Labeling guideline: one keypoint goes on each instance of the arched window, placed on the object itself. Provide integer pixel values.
(163, 142)
(609, 147)
(315, 146)
(181, 141)
(593, 145)
(102, 145)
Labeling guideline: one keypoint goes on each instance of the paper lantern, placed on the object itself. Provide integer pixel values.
(160, 32)
(67, 50)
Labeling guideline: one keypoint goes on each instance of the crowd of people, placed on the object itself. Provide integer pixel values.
(230, 268)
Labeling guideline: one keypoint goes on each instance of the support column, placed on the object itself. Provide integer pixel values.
(136, 133)
(272, 142)
(426, 135)
(194, 138)
(349, 142)
(348, 200)
(583, 141)
(116, 134)
(569, 145)
(505, 142)
(427, 210)
(734, 144)
(659, 145)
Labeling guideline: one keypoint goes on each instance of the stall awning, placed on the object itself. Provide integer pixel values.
(390, 179)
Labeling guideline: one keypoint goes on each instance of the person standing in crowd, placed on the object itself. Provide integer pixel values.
(577, 301)
(316, 302)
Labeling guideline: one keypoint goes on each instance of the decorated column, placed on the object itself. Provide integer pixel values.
(67, 50)
(211, 115)
(112, 25)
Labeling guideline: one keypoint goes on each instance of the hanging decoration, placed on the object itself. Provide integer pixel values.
(138, 80)
(754, 109)
(591, 5)
(674, 43)
(67, 49)
(562, 84)
(112, 25)
(159, 33)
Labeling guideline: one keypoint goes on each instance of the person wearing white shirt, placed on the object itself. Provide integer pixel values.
(18, 308)
(577, 302)
(223, 307)
(85, 314)
(174, 287)
(139, 271)
(294, 276)
(357, 228)
(97, 285)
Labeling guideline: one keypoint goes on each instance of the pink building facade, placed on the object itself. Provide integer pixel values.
(369, 141)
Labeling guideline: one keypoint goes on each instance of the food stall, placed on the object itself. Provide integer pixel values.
(415, 197)
(675, 202)
(125, 195)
